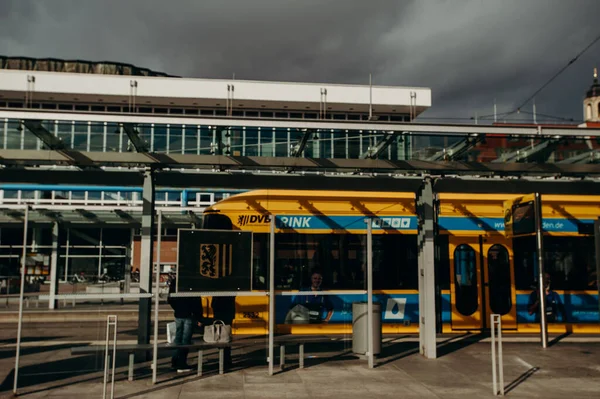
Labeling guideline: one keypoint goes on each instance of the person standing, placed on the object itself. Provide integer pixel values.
(223, 308)
(188, 314)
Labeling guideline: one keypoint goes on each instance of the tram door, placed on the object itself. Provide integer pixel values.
(465, 283)
(481, 278)
(500, 296)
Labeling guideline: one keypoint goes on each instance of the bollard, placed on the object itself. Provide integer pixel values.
(497, 369)
(111, 321)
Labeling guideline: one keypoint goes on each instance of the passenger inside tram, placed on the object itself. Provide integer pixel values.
(554, 305)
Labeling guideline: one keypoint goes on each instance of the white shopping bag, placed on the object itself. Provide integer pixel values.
(171, 328)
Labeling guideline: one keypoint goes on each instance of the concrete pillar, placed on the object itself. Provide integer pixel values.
(426, 256)
(146, 255)
(54, 267)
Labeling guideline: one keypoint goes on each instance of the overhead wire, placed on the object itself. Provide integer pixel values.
(571, 62)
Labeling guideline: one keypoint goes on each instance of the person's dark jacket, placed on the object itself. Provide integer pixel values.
(224, 308)
(185, 307)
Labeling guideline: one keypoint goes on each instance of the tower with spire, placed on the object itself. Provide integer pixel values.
(591, 103)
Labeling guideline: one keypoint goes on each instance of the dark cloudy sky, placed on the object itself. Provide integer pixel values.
(467, 51)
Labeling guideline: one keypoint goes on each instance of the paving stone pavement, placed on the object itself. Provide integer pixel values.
(463, 370)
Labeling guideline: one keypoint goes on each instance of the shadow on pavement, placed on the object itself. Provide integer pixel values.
(10, 353)
(557, 339)
(29, 339)
(457, 343)
(520, 379)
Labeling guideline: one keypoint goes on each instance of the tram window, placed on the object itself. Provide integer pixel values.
(499, 279)
(260, 261)
(395, 262)
(338, 257)
(525, 262)
(570, 261)
(342, 260)
(442, 263)
(465, 276)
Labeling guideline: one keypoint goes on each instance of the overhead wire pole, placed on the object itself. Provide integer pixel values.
(20, 322)
(542, 279)
(156, 297)
(271, 292)
(370, 345)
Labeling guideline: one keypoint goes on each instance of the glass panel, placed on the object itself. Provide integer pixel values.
(13, 136)
(65, 133)
(113, 269)
(81, 136)
(83, 267)
(160, 138)
(339, 144)
(175, 139)
(84, 237)
(499, 280)
(97, 137)
(325, 140)
(94, 195)
(281, 143)
(442, 259)
(368, 141)
(251, 146)
(145, 132)
(339, 258)
(236, 141)
(113, 137)
(266, 142)
(394, 261)
(353, 144)
(206, 138)
(465, 277)
(30, 141)
(570, 261)
(191, 140)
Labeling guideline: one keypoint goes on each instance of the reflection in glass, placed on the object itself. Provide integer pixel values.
(251, 145)
(465, 280)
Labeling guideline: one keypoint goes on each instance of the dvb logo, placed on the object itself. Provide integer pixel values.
(253, 219)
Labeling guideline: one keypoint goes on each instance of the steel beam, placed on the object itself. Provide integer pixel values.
(537, 153)
(374, 152)
(134, 136)
(50, 140)
(592, 156)
(415, 128)
(298, 149)
(456, 150)
(276, 165)
(248, 181)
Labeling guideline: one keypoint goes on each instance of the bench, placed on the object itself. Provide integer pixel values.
(131, 349)
(300, 340)
(280, 341)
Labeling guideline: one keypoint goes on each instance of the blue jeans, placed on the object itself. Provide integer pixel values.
(183, 336)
